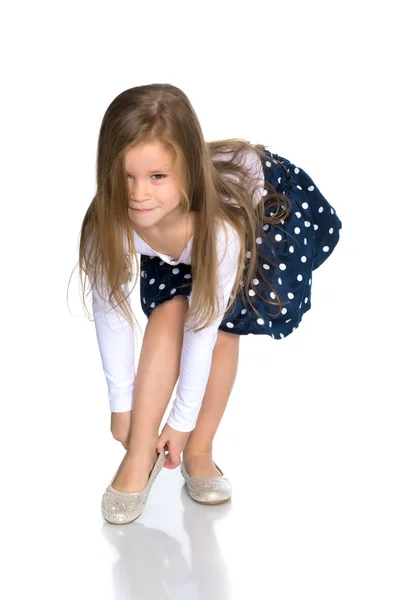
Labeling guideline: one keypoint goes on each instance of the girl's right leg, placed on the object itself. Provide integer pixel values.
(158, 372)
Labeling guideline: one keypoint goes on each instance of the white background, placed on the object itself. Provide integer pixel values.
(310, 435)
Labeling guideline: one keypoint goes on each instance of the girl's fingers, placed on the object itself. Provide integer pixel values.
(161, 447)
(174, 461)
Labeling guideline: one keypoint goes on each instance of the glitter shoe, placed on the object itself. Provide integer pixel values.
(207, 490)
(124, 507)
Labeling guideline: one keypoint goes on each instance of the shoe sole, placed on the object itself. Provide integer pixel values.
(216, 502)
(124, 523)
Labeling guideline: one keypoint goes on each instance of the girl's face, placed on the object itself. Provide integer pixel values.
(154, 183)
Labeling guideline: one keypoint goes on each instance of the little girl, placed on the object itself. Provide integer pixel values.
(228, 236)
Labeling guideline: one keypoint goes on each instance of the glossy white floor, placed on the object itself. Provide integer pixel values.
(307, 442)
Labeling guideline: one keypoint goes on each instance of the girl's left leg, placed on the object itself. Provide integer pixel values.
(197, 454)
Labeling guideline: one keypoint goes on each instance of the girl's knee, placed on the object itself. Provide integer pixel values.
(227, 338)
(179, 303)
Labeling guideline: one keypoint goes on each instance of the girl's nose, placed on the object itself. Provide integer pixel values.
(139, 192)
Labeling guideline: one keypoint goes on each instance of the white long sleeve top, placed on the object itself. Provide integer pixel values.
(116, 338)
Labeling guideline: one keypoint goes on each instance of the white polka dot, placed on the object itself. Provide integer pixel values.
(256, 281)
(144, 300)
(284, 311)
(278, 237)
(298, 214)
(299, 187)
(173, 291)
(297, 170)
(309, 281)
(142, 273)
(307, 223)
(258, 240)
(175, 271)
(272, 335)
(305, 300)
(299, 277)
(325, 248)
(310, 188)
(230, 325)
(300, 304)
(331, 230)
(288, 320)
(290, 295)
(260, 321)
(248, 254)
(321, 209)
(332, 211)
(297, 229)
(270, 323)
(305, 241)
(151, 281)
(152, 305)
(315, 226)
(282, 336)
(252, 293)
(303, 259)
(187, 276)
(162, 286)
(279, 179)
(161, 263)
(268, 163)
(279, 281)
(282, 266)
(266, 227)
(266, 267)
(264, 192)
(244, 311)
(305, 205)
(272, 295)
(291, 249)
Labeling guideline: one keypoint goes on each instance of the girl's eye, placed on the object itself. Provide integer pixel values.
(154, 175)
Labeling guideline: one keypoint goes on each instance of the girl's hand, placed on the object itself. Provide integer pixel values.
(121, 426)
(175, 442)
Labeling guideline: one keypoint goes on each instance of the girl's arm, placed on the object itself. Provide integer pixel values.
(115, 339)
(197, 348)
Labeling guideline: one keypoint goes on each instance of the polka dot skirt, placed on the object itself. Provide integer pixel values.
(301, 243)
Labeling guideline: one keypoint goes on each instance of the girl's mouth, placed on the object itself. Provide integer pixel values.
(142, 212)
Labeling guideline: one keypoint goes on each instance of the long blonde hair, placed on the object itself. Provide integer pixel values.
(163, 112)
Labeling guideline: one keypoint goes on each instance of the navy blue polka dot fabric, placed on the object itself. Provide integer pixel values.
(301, 243)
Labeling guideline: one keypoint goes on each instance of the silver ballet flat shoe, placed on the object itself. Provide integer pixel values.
(124, 507)
(207, 490)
